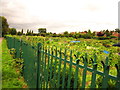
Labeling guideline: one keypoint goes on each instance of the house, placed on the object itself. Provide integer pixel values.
(83, 32)
(116, 34)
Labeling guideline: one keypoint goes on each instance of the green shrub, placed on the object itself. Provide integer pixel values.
(102, 38)
(112, 36)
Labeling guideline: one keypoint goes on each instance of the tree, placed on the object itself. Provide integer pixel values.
(66, 34)
(27, 30)
(107, 32)
(12, 31)
(85, 31)
(42, 30)
(117, 30)
(89, 32)
(87, 36)
(70, 35)
(93, 34)
(49, 34)
(32, 31)
(22, 31)
(5, 26)
(54, 35)
(19, 33)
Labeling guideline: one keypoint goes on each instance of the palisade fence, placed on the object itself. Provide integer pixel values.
(50, 67)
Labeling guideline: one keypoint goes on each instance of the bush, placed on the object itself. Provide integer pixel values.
(112, 36)
(87, 36)
(102, 38)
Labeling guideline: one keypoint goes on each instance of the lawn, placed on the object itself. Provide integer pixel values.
(11, 77)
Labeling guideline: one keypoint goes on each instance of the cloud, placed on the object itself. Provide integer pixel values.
(60, 15)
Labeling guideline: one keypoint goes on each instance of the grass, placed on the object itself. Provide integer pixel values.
(0, 65)
(11, 77)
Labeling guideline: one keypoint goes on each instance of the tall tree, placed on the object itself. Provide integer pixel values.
(32, 31)
(12, 31)
(89, 31)
(42, 30)
(5, 26)
(27, 30)
(22, 31)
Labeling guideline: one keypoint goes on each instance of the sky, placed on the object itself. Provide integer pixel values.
(61, 15)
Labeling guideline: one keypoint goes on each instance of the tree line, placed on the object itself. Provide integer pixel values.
(43, 32)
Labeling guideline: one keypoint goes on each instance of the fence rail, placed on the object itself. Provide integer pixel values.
(48, 67)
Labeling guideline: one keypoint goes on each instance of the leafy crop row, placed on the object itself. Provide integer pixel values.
(89, 46)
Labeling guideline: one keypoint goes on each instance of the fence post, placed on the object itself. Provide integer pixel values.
(70, 70)
(93, 81)
(85, 60)
(60, 61)
(106, 72)
(76, 71)
(118, 75)
(64, 69)
(20, 48)
(76, 74)
(14, 42)
(38, 64)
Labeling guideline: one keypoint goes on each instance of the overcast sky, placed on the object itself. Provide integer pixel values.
(61, 15)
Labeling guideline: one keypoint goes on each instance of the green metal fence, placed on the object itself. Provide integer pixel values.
(50, 67)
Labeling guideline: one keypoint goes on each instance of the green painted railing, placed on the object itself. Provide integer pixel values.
(50, 67)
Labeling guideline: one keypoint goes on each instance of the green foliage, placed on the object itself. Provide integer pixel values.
(93, 34)
(29, 32)
(112, 37)
(87, 36)
(117, 30)
(111, 83)
(89, 46)
(54, 35)
(77, 35)
(5, 26)
(42, 30)
(19, 33)
(22, 31)
(12, 31)
(11, 77)
(107, 33)
(102, 38)
(89, 32)
(66, 34)
(12, 52)
(42, 34)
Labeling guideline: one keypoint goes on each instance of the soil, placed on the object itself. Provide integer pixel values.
(1, 40)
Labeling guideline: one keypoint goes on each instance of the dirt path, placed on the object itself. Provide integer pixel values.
(1, 39)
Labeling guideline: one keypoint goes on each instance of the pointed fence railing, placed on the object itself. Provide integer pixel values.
(50, 67)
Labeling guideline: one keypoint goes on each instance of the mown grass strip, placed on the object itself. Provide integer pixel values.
(11, 77)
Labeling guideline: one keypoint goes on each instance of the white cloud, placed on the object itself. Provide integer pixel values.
(61, 15)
